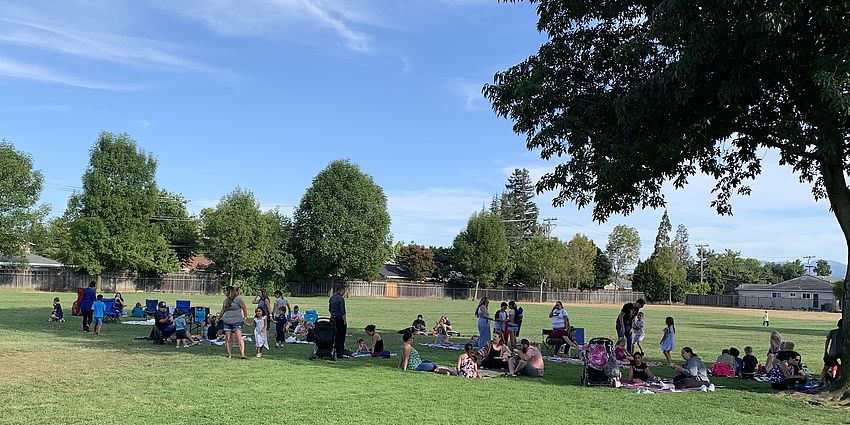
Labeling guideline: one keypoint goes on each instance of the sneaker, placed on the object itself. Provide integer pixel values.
(703, 388)
(177, 346)
(711, 387)
(185, 345)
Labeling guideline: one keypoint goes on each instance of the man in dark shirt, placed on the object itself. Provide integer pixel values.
(163, 321)
(626, 319)
(336, 306)
(419, 324)
(86, 305)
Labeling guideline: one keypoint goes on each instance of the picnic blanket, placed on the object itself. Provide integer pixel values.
(567, 360)
(148, 322)
(444, 347)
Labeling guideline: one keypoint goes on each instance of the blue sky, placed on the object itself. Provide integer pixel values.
(263, 94)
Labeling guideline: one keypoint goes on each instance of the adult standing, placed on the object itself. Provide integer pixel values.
(232, 316)
(263, 302)
(281, 308)
(483, 313)
(517, 319)
(87, 304)
(626, 319)
(336, 306)
(559, 316)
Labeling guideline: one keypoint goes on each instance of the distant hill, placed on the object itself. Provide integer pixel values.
(838, 269)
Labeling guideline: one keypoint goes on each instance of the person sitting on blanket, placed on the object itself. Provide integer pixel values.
(724, 365)
(138, 311)
(295, 318)
(739, 362)
(467, 366)
(787, 374)
(620, 352)
(376, 343)
(693, 373)
(213, 333)
(563, 338)
(527, 361)
(419, 325)
(442, 333)
(449, 327)
(750, 364)
(495, 354)
(410, 359)
(639, 371)
(362, 348)
(57, 315)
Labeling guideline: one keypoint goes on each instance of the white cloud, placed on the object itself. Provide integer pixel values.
(470, 92)
(143, 123)
(10, 68)
(279, 17)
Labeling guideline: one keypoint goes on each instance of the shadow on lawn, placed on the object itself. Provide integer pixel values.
(120, 338)
(761, 329)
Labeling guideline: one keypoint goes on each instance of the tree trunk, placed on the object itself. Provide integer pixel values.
(542, 281)
(832, 171)
(231, 275)
(98, 286)
(477, 282)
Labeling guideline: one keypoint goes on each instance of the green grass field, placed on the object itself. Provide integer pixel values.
(53, 372)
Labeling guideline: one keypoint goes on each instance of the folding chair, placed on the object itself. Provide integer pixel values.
(548, 348)
(109, 313)
(184, 306)
(199, 319)
(150, 307)
(311, 316)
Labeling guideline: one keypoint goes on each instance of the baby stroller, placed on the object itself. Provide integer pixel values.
(325, 332)
(596, 355)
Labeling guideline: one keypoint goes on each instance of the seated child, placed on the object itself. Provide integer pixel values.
(182, 333)
(620, 351)
(56, 315)
(724, 365)
(295, 318)
(362, 348)
(639, 371)
(213, 333)
(739, 363)
(442, 334)
(467, 365)
(138, 311)
(750, 364)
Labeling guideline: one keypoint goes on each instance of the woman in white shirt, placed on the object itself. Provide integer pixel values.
(560, 319)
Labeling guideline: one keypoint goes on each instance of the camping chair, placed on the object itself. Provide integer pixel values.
(184, 306)
(109, 313)
(199, 319)
(150, 307)
(311, 316)
(548, 348)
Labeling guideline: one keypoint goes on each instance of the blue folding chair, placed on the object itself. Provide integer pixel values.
(184, 306)
(109, 313)
(199, 319)
(150, 307)
(311, 316)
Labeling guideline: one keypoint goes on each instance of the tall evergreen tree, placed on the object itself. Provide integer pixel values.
(662, 239)
(681, 244)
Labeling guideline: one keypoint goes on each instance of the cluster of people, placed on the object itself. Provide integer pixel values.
(507, 321)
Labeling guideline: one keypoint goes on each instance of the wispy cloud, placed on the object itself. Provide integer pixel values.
(275, 18)
(10, 68)
(469, 91)
(143, 123)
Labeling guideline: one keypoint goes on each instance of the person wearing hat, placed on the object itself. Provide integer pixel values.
(163, 321)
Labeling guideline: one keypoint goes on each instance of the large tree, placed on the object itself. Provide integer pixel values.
(636, 94)
(603, 271)
(342, 227)
(581, 254)
(172, 220)
(278, 259)
(418, 260)
(481, 250)
(681, 244)
(20, 187)
(110, 221)
(662, 238)
(545, 260)
(236, 235)
(822, 268)
(623, 247)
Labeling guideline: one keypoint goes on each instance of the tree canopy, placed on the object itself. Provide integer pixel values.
(20, 187)
(623, 247)
(418, 260)
(341, 227)
(481, 250)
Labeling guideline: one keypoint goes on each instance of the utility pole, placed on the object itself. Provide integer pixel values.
(548, 225)
(700, 253)
(809, 263)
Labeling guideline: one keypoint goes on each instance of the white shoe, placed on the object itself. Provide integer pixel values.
(711, 387)
(703, 389)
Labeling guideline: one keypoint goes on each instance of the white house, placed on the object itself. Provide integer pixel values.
(801, 293)
(619, 284)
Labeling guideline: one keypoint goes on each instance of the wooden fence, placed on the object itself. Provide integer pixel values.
(60, 279)
(420, 290)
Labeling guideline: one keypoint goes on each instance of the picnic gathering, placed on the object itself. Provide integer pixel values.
(497, 350)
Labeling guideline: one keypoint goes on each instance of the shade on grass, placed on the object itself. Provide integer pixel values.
(54, 372)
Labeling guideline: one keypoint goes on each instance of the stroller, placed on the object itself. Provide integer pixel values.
(325, 332)
(596, 355)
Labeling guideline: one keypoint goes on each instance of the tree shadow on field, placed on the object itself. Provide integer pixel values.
(119, 339)
(762, 329)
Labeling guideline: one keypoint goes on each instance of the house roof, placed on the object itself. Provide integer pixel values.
(394, 271)
(802, 283)
(621, 283)
(197, 262)
(32, 260)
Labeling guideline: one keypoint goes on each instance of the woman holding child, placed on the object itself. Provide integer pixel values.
(232, 316)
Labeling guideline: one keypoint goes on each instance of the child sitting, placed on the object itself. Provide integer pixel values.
(181, 334)
(639, 371)
(739, 363)
(56, 315)
(620, 351)
(750, 364)
(442, 333)
(467, 366)
(213, 333)
(362, 348)
(724, 365)
(138, 311)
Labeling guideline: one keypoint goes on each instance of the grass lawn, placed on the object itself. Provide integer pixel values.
(53, 372)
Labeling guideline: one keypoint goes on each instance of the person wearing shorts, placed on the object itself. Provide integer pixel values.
(232, 315)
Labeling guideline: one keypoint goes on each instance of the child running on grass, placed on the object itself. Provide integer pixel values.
(261, 338)
(667, 341)
(56, 315)
(98, 310)
(638, 331)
